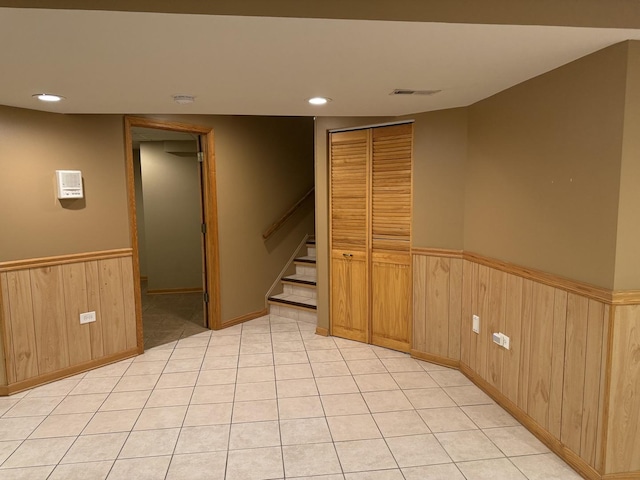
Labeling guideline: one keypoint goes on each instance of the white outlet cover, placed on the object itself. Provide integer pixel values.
(506, 341)
(87, 317)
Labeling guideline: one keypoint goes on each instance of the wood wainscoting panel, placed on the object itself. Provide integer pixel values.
(74, 277)
(22, 360)
(41, 306)
(495, 319)
(437, 295)
(557, 362)
(513, 328)
(623, 437)
(455, 307)
(420, 302)
(467, 312)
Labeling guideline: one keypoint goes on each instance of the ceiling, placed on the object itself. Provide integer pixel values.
(134, 62)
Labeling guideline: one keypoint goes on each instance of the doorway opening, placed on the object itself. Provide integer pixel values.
(173, 226)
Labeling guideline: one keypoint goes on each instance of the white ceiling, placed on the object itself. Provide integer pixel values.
(124, 62)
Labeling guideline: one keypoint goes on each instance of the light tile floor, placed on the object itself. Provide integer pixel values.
(267, 400)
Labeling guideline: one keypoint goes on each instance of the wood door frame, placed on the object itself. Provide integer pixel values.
(210, 213)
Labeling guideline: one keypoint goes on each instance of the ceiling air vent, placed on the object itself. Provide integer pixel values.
(406, 91)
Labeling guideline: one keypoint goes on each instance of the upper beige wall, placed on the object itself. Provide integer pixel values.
(627, 275)
(439, 160)
(172, 217)
(544, 170)
(33, 145)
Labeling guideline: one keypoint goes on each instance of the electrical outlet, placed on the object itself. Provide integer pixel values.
(506, 341)
(87, 317)
(497, 338)
(476, 324)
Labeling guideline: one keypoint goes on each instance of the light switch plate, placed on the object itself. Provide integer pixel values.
(476, 324)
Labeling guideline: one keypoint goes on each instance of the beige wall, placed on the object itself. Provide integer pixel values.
(627, 273)
(172, 218)
(439, 160)
(264, 165)
(33, 145)
(544, 170)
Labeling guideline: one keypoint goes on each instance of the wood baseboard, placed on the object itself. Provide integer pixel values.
(542, 434)
(622, 476)
(322, 331)
(243, 318)
(66, 372)
(427, 357)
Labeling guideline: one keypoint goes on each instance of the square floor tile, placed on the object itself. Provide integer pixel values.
(39, 452)
(223, 350)
(303, 387)
(450, 378)
(110, 422)
(447, 471)
(95, 448)
(62, 425)
(394, 424)
(307, 460)
(170, 397)
(81, 404)
(300, 407)
(255, 411)
(364, 367)
(207, 438)
(123, 400)
(95, 385)
(198, 466)
(401, 365)
(393, 474)
(364, 455)
(254, 348)
(515, 441)
(329, 355)
(146, 468)
(27, 473)
(448, 419)
(490, 416)
(137, 382)
(59, 388)
(221, 376)
(213, 394)
(387, 401)
(470, 395)
(255, 464)
(429, 398)
(416, 450)
(330, 369)
(353, 427)
(293, 372)
(287, 347)
(208, 414)
(255, 391)
(544, 467)
(175, 380)
(290, 358)
(336, 385)
(494, 469)
(375, 382)
(32, 407)
(358, 353)
(183, 365)
(161, 417)
(302, 431)
(187, 353)
(468, 445)
(254, 435)
(150, 443)
(7, 448)
(216, 362)
(344, 404)
(255, 374)
(146, 368)
(419, 379)
(82, 471)
(255, 360)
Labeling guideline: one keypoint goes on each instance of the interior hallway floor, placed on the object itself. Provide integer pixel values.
(268, 399)
(170, 317)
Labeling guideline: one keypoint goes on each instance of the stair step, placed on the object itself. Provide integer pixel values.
(298, 283)
(304, 303)
(306, 260)
(311, 241)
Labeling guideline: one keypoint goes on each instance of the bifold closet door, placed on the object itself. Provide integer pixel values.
(349, 198)
(391, 166)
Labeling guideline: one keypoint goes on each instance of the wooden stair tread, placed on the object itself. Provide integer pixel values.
(283, 301)
(299, 281)
(307, 260)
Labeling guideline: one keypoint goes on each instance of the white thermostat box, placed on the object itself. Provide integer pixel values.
(69, 184)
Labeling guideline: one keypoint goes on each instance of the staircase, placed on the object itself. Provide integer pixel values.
(298, 300)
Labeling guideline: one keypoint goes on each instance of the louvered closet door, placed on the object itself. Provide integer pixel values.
(391, 236)
(349, 188)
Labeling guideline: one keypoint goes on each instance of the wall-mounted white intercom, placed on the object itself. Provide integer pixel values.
(69, 184)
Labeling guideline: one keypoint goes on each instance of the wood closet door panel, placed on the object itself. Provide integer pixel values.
(391, 311)
(349, 299)
(391, 277)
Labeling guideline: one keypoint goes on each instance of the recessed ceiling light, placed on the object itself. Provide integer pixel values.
(48, 97)
(184, 99)
(318, 100)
